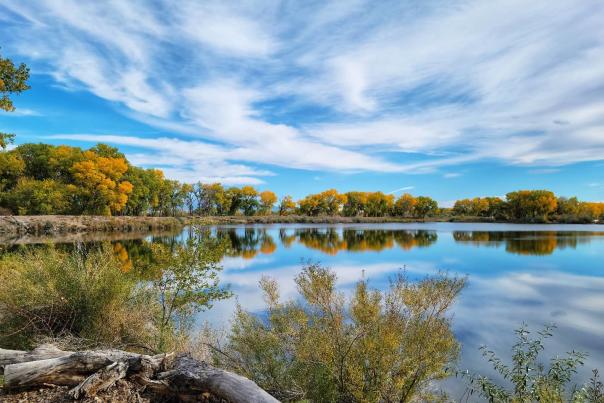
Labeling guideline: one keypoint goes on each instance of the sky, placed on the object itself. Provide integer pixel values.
(444, 98)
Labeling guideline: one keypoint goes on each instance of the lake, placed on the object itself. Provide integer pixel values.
(537, 274)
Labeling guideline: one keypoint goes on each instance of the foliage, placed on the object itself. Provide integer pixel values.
(99, 179)
(267, 201)
(46, 292)
(186, 282)
(531, 204)
(531, 381)
(287, 206)
(405, 205)
(329, 202)
(380, 346)
(425, 206)
(31, 197)
(13, 80)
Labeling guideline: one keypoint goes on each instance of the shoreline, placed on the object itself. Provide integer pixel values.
(49, 225)
(45, 225)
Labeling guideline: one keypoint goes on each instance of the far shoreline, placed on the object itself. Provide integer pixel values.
(18, 226)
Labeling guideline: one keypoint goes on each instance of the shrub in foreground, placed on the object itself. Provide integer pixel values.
(83, 295)
(378, 346)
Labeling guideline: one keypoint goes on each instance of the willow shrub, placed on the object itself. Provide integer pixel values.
(530, 379)
(75, 295)
(376, 346)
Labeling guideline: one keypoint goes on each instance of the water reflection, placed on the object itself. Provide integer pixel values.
(536, 274)
(249, 242)
(527, 242)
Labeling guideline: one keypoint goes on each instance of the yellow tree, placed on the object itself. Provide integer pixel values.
(287, 206)
(405, 205)
(267, 201)
(100, 186)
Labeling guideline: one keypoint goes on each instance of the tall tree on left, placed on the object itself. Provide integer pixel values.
(13, 80)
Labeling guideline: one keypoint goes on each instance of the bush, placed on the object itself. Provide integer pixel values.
(381, 346)
(49, 293)
(530, 380)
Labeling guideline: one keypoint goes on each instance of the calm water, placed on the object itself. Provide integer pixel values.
(536, 274)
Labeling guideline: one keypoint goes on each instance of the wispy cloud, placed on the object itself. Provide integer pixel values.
(401, 189)
(349, 86)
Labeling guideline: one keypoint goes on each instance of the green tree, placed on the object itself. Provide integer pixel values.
(187, 282)
(13, 80)
(425, 206)
(32, 197)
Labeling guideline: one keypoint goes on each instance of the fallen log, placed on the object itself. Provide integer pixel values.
(41, 352)
(91, 372)
(191, 377)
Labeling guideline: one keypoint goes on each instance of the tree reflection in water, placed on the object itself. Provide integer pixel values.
(536, 243)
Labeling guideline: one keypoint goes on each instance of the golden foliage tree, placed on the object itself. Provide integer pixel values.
(100, 186)
(267, 201)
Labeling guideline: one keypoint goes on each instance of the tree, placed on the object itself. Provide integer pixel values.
(187, 281)
(13, 80)
(405, 205)
(329, 202)
(31, 197)
(11, 169)
(189, 197)
(379, 204)
(531, 204)
(425, 206)
(249, 200)
(267, 201)
(287, 206)
(99, 182)
(356, 203)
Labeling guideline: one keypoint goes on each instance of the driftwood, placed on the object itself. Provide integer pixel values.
(90, 372)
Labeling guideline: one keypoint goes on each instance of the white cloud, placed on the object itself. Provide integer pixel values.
(401, 189)
(450, 82)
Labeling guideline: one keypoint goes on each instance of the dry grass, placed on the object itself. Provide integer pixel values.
(55, 224)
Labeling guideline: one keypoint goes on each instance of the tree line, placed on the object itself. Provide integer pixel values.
(47, 179)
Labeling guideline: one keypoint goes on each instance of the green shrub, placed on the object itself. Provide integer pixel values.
(49, 293)
(380, 346)
(530, 380)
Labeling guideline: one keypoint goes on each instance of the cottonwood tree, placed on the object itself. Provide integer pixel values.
(13, 80)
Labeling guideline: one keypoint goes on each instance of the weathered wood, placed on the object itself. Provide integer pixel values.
(67, 370)
(41, 352)
(100, 380)
(191, 377)
(94, 371)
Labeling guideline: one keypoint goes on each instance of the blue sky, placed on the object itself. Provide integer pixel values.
(445, 98)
